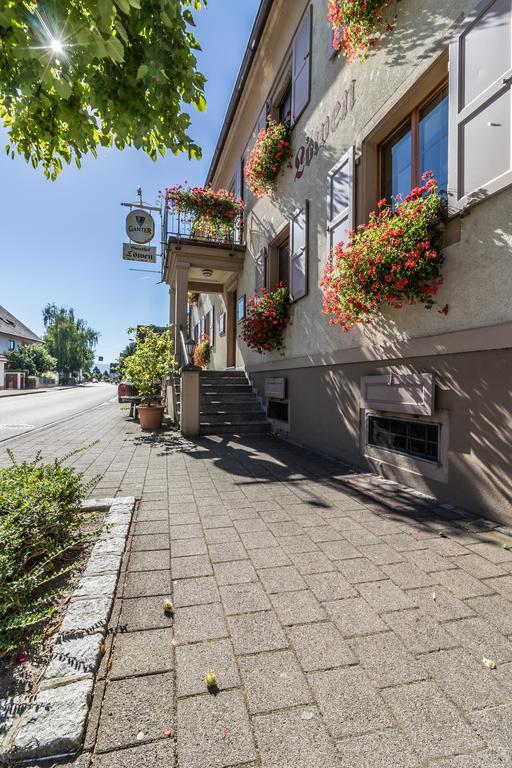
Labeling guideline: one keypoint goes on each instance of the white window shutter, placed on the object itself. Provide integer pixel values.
(211, 331)
(261, 269)
(301, 66)
(299, 237)
(340, 200)
(480, 157)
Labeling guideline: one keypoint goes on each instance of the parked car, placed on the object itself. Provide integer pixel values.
(126, 392)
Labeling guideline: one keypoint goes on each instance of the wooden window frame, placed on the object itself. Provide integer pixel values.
(238, 300)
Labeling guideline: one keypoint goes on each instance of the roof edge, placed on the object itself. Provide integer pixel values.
(243, 73)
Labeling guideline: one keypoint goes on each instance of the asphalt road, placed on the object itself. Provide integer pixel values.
(24, 413)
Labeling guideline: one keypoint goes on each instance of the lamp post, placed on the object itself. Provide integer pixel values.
(190, 346)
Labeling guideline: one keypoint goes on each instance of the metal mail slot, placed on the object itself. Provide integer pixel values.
(402, 393)
(275, 387)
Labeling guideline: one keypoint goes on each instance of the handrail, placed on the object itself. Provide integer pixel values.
(183, 347)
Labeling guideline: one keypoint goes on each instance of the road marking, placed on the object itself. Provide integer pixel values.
(16, 426)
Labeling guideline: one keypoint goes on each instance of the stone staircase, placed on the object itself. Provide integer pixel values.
(228, 404)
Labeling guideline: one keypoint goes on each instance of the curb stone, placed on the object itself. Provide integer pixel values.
(52, 722)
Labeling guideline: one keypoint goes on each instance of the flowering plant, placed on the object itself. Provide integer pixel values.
(216, 212)
(266, 319)
(271, 150)
(394, 259)
(357, 23)
(202, 352)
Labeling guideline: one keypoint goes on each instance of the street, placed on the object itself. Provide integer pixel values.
(24, 413)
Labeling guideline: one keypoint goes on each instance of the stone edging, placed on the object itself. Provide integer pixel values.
(52, 722)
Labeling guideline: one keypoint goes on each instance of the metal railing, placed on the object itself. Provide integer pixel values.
(188, 227)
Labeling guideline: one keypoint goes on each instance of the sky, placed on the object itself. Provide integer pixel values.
(61, 241)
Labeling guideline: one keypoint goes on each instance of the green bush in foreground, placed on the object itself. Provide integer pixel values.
(40, 535)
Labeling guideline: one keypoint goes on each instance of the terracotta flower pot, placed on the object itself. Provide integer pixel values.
(151, 416)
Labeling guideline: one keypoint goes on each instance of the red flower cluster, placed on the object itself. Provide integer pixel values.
(271, 150)
(357, 24)
(216, 211)
(266, 319)
(202, 352)
(394, 259)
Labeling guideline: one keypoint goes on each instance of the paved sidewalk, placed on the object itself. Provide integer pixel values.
(347, 623)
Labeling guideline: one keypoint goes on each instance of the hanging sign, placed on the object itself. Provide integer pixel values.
(140, 226)
(133, 252)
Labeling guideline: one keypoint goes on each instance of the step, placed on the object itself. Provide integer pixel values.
(231, 418)
(226, 388)
(252, 407)
(227, 428)
(226, 374)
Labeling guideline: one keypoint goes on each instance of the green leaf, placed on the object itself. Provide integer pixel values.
(142, 71)
(115, 49)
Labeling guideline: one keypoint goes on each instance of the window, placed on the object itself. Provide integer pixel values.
(240, 309)
(196, 333)
(419, 145)
(419, 439)
(340, 200)
(283, 262)
(261, 277)
(222, 324)
(12, 344)
(201, 327)
(285, 106)
(299, 238)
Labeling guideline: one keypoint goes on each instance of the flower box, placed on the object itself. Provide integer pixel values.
(267, 315)
(271, 150)
(357, 24)
(216, 213)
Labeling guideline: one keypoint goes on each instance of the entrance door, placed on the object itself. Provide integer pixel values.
(231, 329)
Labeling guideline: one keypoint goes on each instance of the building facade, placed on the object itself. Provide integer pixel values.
(13, 335)
(421, 397)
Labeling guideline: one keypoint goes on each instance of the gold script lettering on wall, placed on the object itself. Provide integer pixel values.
(307, 151)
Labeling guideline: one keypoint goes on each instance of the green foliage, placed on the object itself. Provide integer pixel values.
(118, 74)
(152, 360)
(202, 352)
(40, 526)
(33, 358)
(70, 340)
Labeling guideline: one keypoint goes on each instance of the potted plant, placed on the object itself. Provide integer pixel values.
(267, 315)
(152, 360)
(216, 212)
(271, 150)
(358, 23)
(395, 259)
(202, 352)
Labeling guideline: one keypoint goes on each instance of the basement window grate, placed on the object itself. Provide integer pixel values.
(278, 410)
(418, 439)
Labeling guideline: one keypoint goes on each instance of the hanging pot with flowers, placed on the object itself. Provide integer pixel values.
(394, 259)
(266, 317)
(216, 213)
(271, 150)
(357, 24)
(202, 352)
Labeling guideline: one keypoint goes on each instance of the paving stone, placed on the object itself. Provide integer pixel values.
(320, 646)
(330, 586)
(149, 561)
(142, 756)
(141, 653)
(86, 616)
(269, 558)
(202, 622)
(297, 607)
(419, 632)
(273, 681)
(480, 567)
(256, 632)
(221, 535)
(383, 749)
(194, 661)
(487, 759)
(55, 722)
(339, 550)
(298, 543)
(235, 572)
(407, 576)
(430, 561)
(462, 584)
(323, 533)
(144, 613)
(348, 702)
(223, 553)
(259, 540)
(386, 660)
(99, 564)
(496, 609)
(492, 551)
(151, 541)
(215, 521)
(146, 583)
(466, 681)
(503, 585)
(96, 586)
(354, 616)
(111, 545)
(360, 570)
(273, 513)
(481, 639)
(312, 562)
(196, 591)
(287, 740)
(431, 722)
(288, 528)
(188, 567)
(151, 526)
(187, 547)
(74, 657)
(185, 518)
(361, 536)
(191, 531)
(284, 579)
(381, 554)
(147, 515)
(138, 705)
(445, 606)
(386, 596)
(498, 722)
(244, 598)
(214, 731)
(403, 542)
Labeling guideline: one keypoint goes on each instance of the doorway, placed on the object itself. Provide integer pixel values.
(231, 329)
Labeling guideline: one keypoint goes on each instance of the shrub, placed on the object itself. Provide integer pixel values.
(40, 526)
(152, 360)
(202, 352)
(266, 319)
(357, 24)
(271, 150)
(216, 212)
(394, 259)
